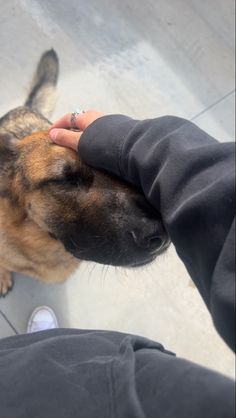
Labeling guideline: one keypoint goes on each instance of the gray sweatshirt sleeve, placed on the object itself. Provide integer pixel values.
(189, 177)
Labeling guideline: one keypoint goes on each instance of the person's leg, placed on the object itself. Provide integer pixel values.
(89, 374)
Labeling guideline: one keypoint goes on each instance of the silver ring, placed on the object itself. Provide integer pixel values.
(74, 116)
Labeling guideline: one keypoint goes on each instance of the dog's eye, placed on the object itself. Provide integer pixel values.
(83, 177)
(71, 180)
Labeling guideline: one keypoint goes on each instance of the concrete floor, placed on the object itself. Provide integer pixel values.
(143, 59)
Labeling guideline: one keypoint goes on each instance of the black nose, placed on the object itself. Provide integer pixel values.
(149, 241)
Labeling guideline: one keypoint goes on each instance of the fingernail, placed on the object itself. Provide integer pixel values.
(53, 134)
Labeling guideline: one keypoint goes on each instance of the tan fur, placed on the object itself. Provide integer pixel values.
(26, 248)
(5, 281)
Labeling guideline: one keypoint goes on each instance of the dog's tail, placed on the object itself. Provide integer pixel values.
(42, 93)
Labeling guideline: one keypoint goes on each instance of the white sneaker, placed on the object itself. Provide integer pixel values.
(42, 318)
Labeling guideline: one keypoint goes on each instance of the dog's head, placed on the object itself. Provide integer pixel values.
(95, 216)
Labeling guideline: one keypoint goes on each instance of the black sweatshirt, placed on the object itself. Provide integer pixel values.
(189, 177)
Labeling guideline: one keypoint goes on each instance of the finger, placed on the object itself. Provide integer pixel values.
(64, 122)
(65, 138)
(83, 120)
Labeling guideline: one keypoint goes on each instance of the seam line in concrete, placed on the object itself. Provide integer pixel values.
(9, 323)
(213, 105)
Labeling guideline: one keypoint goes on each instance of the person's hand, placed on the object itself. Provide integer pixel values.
(61, 134)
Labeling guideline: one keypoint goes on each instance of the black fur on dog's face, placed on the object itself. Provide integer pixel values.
(95, 216)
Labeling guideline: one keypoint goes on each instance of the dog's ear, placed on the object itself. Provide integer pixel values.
(7, 157)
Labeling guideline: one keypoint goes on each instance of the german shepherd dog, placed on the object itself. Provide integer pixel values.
(56, 211)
